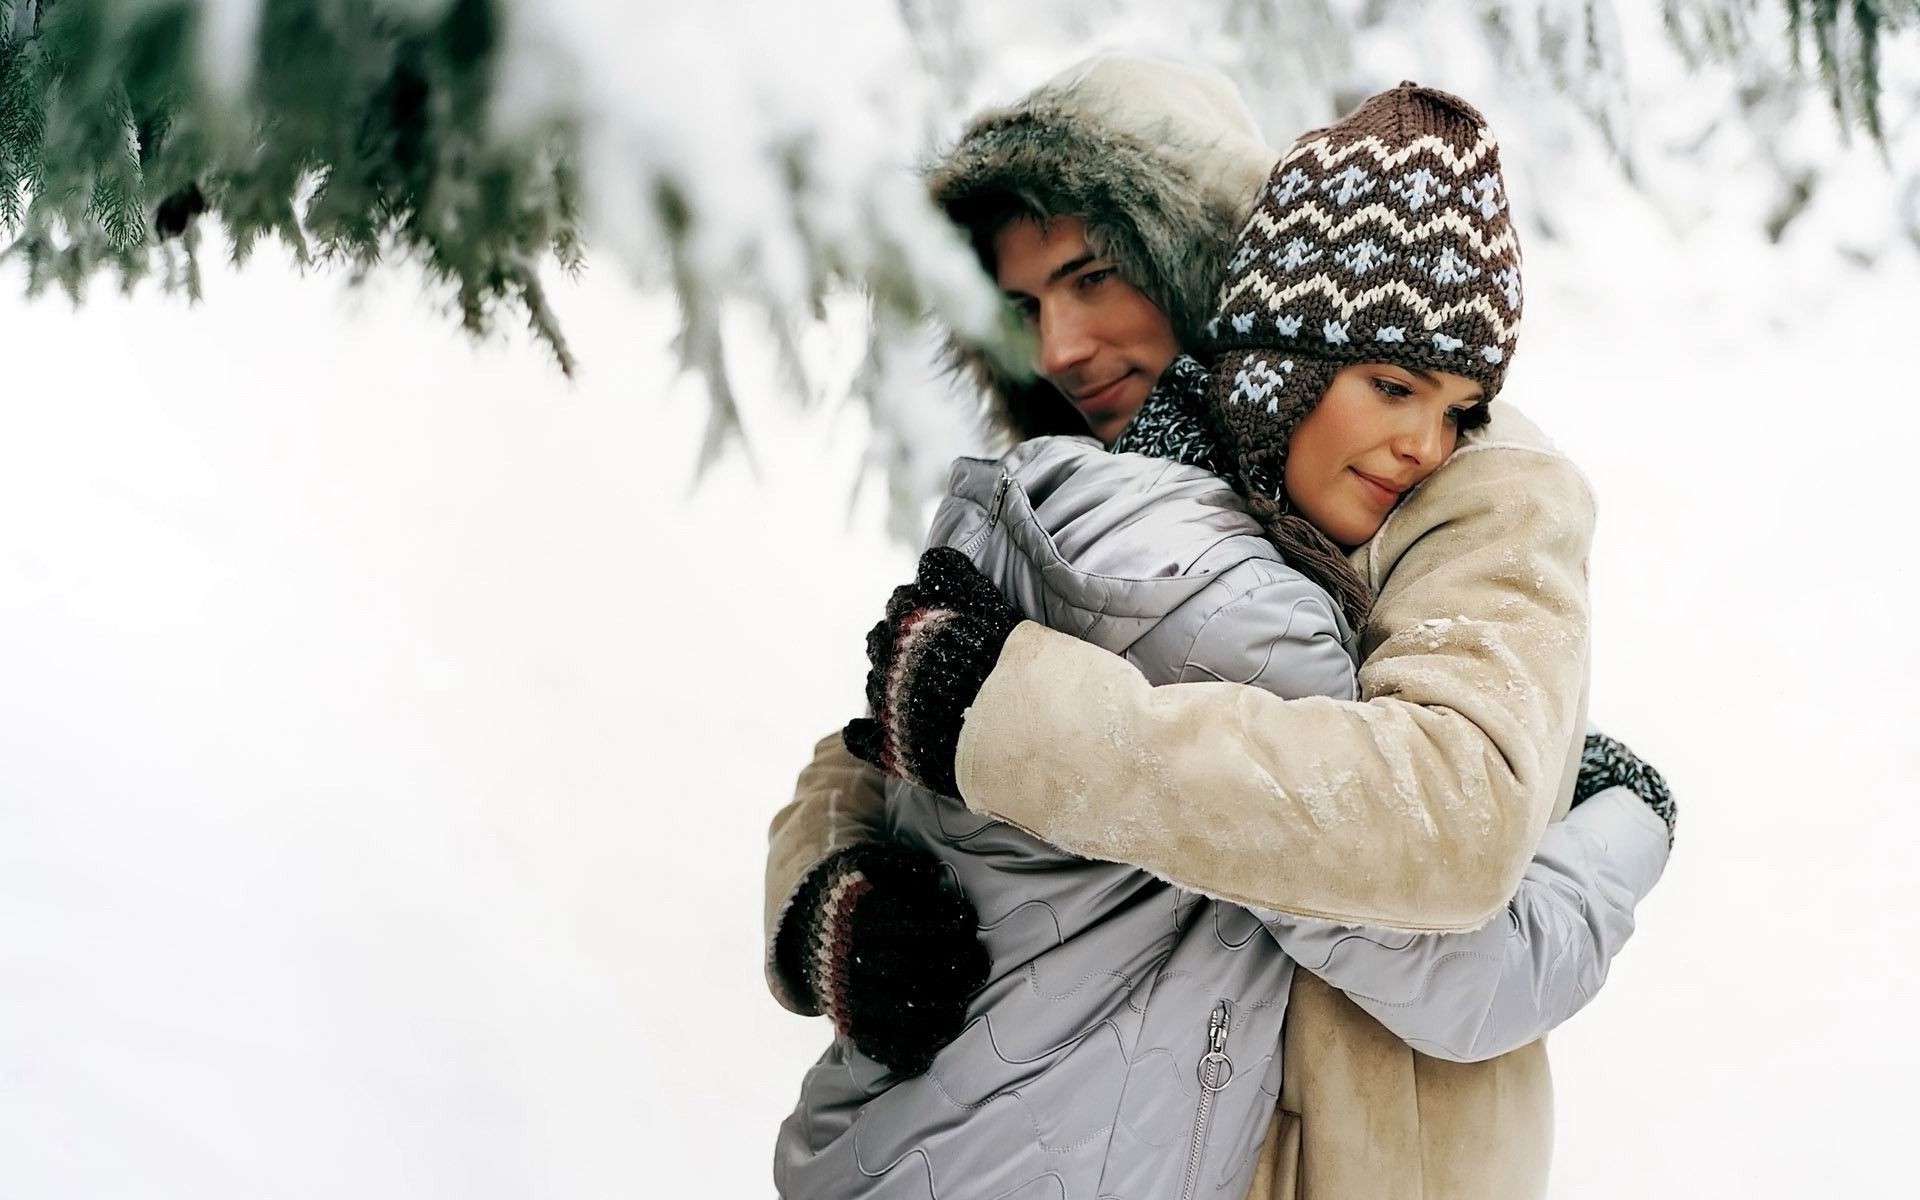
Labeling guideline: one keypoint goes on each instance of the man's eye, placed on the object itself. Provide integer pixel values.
(1095, 278)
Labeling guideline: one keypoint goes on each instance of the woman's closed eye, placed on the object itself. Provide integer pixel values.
(1460, 416)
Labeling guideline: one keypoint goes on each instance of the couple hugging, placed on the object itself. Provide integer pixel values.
(1225, 821)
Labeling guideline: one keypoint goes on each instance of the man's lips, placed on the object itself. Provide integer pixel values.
(1383, 490)
(1103, 395)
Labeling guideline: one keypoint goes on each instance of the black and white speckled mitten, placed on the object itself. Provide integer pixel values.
(886, 948)
(929, 657)
(1605, 763)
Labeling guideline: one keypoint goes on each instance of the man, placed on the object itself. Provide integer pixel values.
(1475, 671)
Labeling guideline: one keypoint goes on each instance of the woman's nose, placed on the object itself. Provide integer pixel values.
(1426, 444)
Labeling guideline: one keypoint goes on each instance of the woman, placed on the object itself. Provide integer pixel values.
(1215, 611)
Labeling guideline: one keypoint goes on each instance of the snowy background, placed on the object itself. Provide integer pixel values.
(389, 728)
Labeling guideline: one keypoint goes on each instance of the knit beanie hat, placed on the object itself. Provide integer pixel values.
(1161, 160)
(1383, 238)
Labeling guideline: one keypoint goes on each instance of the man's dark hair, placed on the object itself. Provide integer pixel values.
(983, 215)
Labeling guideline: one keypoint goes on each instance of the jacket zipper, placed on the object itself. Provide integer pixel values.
(1215, 1071)
(993, 517)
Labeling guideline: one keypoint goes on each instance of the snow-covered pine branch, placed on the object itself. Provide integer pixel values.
(475, 139)
(757, 157)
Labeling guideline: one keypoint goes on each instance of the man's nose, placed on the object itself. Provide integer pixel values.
(1065, 342)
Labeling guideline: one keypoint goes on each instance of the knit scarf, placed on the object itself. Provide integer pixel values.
(1176, 423)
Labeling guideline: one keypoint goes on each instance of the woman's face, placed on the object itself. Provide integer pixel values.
(1100, 341)
(1379, 430)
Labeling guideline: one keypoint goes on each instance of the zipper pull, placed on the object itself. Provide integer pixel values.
(1218, 1023)
(1217, 1028)
(995, 503)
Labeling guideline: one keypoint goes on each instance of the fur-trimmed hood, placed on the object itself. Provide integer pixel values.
(1162, 161)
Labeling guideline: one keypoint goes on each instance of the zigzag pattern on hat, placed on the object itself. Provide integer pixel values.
(1459, 160)
(1432, 315)
(1501, 243)
(1385, 237)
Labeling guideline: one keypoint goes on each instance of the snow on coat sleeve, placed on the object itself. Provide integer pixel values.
(1459, 996)
(1473, 996)
(838, 801)
(1417, 808)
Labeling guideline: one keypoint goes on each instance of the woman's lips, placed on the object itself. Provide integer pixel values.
(1381, 493)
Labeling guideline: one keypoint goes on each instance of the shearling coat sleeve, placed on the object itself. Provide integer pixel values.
(1417, 807)
(1468, 997)
(1459, 996)
(838, 801)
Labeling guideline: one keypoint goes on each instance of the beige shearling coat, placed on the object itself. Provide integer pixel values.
(1417, 807)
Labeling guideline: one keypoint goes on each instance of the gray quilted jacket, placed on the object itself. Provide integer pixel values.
(1127, 1044)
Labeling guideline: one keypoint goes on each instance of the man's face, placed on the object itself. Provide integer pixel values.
(1101, 342)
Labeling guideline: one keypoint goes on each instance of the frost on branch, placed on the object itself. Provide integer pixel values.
(758, 156)
(475, 140)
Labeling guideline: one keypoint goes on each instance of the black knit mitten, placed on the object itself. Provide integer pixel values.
(887, 949)
(1606, 763)
(929, 657)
